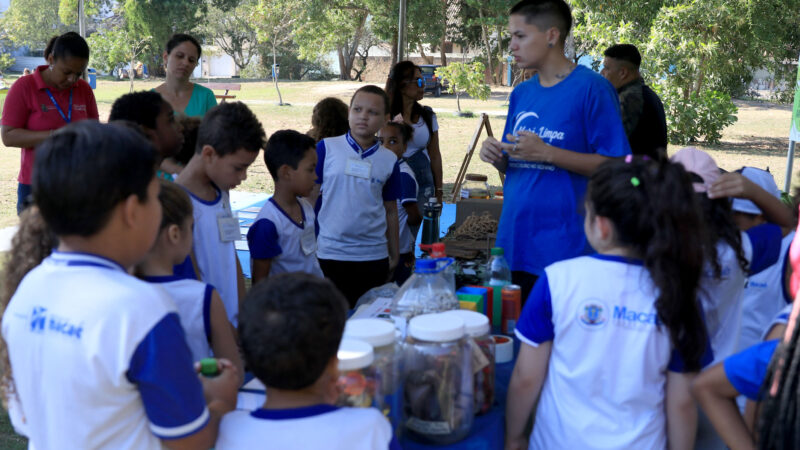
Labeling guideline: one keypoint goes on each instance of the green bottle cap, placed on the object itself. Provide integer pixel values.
(208, 367)
(497, 251)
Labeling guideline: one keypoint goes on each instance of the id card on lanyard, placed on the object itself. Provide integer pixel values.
(228, 224)
(68, 116)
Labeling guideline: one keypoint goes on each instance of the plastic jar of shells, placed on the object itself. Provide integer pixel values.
(356, 384)
(481, 343)
(437, 380)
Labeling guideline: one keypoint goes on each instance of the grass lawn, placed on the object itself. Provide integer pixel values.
(759, 138)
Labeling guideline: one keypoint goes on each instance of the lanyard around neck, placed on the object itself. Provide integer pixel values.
(67, 117)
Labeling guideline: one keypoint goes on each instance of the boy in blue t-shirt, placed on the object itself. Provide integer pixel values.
(290, 330)
(562, 124)
(98, 357)
(228, 141)
(283, 237)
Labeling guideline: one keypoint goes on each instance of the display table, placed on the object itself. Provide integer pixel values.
(247, 205)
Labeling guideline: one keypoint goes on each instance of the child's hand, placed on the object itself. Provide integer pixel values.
(223, 388)
(491, 150)
(731, 184)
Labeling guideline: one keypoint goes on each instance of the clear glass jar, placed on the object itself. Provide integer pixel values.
(380, 334)
(475, 186)
(477, 328)
(357, 382)
(437, 380)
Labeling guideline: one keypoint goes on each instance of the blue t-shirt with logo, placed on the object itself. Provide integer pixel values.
(542, 218)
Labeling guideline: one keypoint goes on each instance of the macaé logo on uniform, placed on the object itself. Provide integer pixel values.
(593, 314)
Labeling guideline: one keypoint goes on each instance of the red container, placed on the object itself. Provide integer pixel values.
(512, 305)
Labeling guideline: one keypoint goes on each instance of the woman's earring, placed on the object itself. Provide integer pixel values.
(549, 45)
(51, 67)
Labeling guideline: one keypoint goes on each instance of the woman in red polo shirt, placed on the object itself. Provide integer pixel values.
(53, 96)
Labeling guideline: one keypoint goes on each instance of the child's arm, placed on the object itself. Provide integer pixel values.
(392, 233)
(681, 411)
(717, 397)
(223, 341)
(523, 391)
(260, 269)
(414, 216)
(170, 166)
(734, 184)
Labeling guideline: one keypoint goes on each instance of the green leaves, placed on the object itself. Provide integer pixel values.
(465, 78)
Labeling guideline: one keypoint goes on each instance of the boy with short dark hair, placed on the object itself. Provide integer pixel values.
(99, 357)
(283, 236)
(157, 120)
(290, 330)
(228, 141)
(357, 212)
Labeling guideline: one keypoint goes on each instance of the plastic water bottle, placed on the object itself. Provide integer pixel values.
(425, 292)
(499, 275)
(444, 264)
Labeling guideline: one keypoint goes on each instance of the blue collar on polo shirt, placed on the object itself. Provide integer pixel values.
(85, 259)
(293, 413)
(357, 148)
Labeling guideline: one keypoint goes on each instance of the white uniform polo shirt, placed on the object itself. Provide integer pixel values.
(606, 377)
(722, 297)
(408, 189)
(352, 220)
(312, 427)
(193, 300)
(99, 359)
(216, 259)
(276, 236)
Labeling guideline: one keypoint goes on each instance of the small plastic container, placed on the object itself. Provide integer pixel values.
(475, 186)
(356, 383)
(437, 380)
(380, 334)
(477, 328)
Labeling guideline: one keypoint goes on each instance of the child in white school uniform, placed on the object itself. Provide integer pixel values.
(395, 136)
(766, 292)
(97, 357)
(290, 331)
(357, 208)
(228, 141)
(733, 255)
(609, 341)
(202, 314)
(283, 237)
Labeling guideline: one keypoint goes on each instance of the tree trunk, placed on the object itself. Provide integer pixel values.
(500, 50)
(458, 99)
(274, 74)
(344, 73)
(701, 76)
(426, 58)
(485, 39)
(132, 72)
(394, 50)
(442, 50)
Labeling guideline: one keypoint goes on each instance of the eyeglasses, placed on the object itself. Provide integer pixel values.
(420, 82)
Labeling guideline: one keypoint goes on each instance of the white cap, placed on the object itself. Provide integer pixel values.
(375, 332)
(354, 354)
(436, 327)
(475, 323)
(765, 181)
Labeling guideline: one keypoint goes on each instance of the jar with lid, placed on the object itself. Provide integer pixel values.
(475, 186)
(482, 347)
(356, 383)
(437, 380)
(380, 334)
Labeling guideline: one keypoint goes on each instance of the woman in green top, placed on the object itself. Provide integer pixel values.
(181, 56)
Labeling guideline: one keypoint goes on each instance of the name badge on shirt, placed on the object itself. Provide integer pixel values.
(308, 241)
(358, 168)
(228, 227)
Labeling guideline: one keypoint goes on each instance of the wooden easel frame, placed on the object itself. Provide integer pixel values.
(462, 172)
